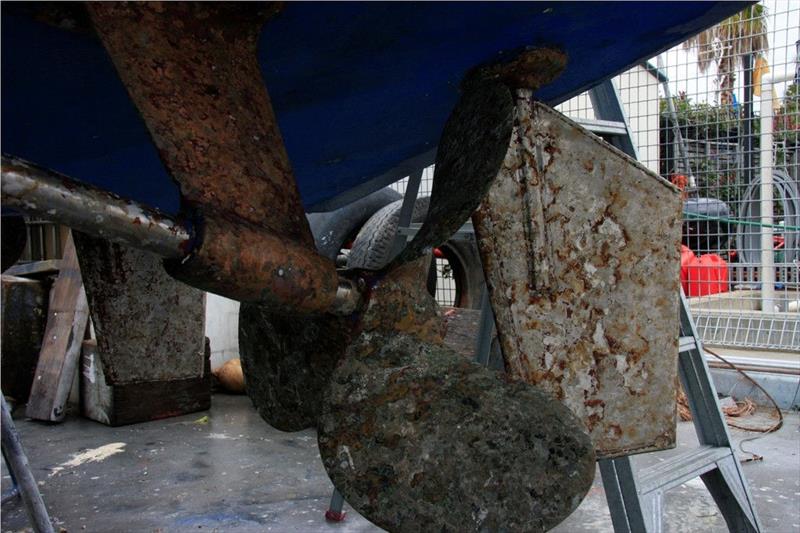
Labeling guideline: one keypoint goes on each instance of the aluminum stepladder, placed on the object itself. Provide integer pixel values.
(635, 500)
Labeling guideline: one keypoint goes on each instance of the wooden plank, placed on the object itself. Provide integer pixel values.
(35, 268)
(58, 360)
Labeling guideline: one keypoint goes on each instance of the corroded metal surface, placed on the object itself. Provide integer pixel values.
(56, 197)
(399, 302)
(416, 438)
(580, 248)
(149, 327)
(236, 259)
(192, 71)
(24, 310)
(245, 263)
(288, 359)
(530, 69)
(475, 140)
(471, 150)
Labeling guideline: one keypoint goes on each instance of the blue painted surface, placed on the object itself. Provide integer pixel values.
(358, 88)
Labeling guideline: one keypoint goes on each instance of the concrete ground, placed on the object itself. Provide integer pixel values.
(226, 470)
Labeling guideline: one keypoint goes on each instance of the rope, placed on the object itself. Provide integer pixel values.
(746, 407)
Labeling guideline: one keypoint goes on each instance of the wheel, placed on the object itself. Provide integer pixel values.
(459, 279)
(334, 229)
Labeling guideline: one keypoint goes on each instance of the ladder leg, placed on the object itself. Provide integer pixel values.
(14, 491)
(728, 490)
(334, 512)
(484, 343)
(653, 511)
(623, 500)
(20, 469)
(726, 483)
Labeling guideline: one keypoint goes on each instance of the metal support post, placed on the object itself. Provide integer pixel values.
(483, 343)
(21, 471)
(335, 512)
(406, 212)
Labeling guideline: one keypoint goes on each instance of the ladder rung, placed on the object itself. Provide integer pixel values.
(604, 127)
(681, 468)
(686, 344)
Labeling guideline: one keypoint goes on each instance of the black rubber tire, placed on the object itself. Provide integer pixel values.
(466, 264)
(333, 229)
(372, 246)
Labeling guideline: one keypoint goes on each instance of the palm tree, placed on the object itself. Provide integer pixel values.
(727, 43)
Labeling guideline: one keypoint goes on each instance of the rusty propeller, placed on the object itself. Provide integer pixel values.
(410, 433)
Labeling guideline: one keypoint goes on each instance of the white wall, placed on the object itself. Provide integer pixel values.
(222, 328)
(638, 90)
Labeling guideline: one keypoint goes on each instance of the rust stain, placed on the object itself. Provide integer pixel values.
(243, 262)
(530, 68)
(583, 289)
(399, 303)
(192, 71)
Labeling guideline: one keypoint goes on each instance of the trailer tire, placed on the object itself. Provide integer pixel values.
(373, 244)
(333, 229)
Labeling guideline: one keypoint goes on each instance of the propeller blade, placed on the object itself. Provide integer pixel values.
(413, 435)
(579, 244)
(287, 361)
(471, 151)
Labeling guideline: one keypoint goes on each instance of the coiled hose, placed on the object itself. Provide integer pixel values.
(748, 236)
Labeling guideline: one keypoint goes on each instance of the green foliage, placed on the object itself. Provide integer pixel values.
(716, 174)
(701, 120)
(726, 43)
(787, 118)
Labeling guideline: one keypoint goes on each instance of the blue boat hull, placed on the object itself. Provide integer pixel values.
(360, 89)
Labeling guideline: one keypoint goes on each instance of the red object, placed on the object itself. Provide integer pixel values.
(687, 256)
(333, 516)
(681, 182)
(707, 274)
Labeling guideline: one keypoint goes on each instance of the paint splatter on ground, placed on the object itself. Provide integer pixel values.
(94, 455)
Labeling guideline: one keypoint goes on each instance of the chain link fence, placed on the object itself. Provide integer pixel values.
(718, 117)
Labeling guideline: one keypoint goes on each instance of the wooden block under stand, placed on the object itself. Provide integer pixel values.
(129, 403)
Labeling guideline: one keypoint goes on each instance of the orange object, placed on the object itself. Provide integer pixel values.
(681, 182)
(687, 257)
(707, 274)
